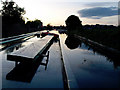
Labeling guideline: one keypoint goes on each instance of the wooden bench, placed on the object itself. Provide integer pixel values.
(31, 52)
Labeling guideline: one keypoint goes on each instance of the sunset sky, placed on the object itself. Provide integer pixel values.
(56, 12)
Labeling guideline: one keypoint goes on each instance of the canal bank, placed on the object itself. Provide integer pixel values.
(101, 48)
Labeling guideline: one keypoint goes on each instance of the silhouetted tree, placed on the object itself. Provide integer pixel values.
(49, 27)
(37, 24)
(73, 23)
(12, 19)
(12, 13)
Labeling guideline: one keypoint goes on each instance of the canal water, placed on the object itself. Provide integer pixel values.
(87, 68)
(49, 76)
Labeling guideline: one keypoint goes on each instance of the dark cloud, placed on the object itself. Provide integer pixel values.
(98, 12)
(99, 4)
(119, 8)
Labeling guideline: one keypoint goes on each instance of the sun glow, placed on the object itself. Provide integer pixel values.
(55, 12)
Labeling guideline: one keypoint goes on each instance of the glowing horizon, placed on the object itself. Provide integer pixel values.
(55, 12)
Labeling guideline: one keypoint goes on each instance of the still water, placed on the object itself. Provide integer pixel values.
(39, 76)
(87, 68)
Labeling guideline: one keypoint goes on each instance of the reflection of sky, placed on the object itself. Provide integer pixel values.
(56, 12)
(89, 69)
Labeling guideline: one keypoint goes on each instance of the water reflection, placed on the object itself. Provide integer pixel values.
(62, 31)
(15, 47)
(109, 57)
(13, 43)
(73, 42)
(25, 72)
(10, 47)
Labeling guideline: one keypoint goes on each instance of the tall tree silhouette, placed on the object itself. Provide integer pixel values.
(73, 23)
(12, 13)
(12, 19)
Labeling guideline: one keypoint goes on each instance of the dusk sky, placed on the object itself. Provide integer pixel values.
(56, 12)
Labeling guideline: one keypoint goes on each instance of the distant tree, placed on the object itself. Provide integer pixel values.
(38, 24)
(73, 23)
(49, 27)
(35, 24)
(12, 13)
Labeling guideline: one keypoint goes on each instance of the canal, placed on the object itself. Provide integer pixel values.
(84, 66)
(87, 68)
(40, 76)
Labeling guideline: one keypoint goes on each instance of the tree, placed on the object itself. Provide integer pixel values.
(35, 24)
(12, 13)
(73, 23)
(12, 19)
(49, 27)
(38, 24)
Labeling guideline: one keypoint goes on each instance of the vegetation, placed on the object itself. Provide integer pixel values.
(73, 23)
(36, 24)
(12, 13)
(108, 35)
(49, 27)
(13, 22)
(12, 19)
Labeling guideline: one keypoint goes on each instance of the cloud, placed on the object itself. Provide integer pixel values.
(101, 4)
(98, 12)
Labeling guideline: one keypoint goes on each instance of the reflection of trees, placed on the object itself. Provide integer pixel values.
(12, 48)
(111, 58)
(72, 42)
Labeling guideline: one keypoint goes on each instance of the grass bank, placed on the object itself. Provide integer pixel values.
(109, 37)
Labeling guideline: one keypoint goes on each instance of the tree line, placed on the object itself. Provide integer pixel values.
(13, 22)
(108, 35)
